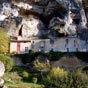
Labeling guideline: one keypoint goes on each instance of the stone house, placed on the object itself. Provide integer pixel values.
(65, 44)
(20, 45)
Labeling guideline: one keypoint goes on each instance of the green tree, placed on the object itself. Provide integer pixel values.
(85, 4)
(78, 79)
(7, 61)
(4, 41)
(25, 75)
(34, 80)
(56, 78)
(12, 77)
(53, 56)
(40, 65)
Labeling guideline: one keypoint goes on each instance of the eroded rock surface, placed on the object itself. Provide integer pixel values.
(2, 69)
(31, 26)
(15, 17)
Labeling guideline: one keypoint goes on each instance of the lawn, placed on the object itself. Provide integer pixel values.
(23, 85)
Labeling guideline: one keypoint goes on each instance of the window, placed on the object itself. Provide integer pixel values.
(52, 49)
(67, 49)
(32, 44)
(26, 49)
(77, 49)
(67, 41)
(42, 44)
(51, 41)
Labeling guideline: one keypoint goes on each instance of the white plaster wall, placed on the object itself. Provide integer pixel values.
(48, 46)
(37, 45)
(23, 45)
(13, 47)
(59, 45)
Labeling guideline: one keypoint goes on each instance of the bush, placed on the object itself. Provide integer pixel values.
(34, 80)
(53, 56)
(78, 79)
(25, 74)
(12, 77)
(13, 53)
(7, 61)
(27, 58)
(22, 71)
(85, 4)
(15, 77)
(58, 78)
(40, 65)
(4, 41)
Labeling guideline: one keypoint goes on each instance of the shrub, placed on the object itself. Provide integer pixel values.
(58, 72)
(13, 53)
(7, 61)
(4, 41)
(27, 58)
(21, 70)
(15, 77)
(41, 65)
(25, 74)
(85, 4)
(58, 78)
(78, 79)
(12, 77)
(34, 80)
(53, 56)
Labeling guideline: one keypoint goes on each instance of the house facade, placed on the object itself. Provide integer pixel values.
(20, 45)
(66, 44)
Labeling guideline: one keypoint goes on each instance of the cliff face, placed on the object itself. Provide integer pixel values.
(43, 17)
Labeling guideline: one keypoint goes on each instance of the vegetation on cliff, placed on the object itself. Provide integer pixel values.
(4, 41)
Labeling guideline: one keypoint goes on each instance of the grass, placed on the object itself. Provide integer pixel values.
(20, 83)
(23, 85)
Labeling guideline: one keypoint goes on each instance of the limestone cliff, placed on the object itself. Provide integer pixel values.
(35, 18)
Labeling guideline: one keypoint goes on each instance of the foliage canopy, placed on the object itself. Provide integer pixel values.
(7, 61)
(4, 41)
